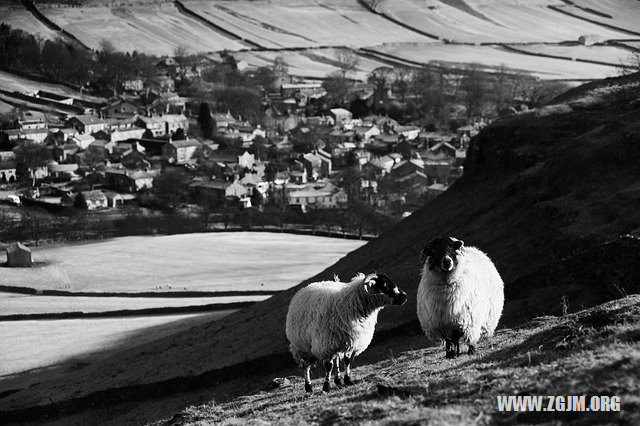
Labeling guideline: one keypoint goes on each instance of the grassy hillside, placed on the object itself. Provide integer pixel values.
(598, 349)
(543, 193)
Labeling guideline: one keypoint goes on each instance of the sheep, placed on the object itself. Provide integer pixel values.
(330, 321)
(460, 294)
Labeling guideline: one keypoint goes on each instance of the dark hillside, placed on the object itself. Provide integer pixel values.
(539, 187)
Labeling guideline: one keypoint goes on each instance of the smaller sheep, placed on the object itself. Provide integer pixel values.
(460, 294)
(330, 321)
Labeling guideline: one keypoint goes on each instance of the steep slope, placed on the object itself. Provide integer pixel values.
(539, 187)
(599, 349)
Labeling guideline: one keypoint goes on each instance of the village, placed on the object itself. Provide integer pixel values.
(68, 152)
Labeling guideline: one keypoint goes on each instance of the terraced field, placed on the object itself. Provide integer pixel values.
(492, 57)
(541, 35)
(156, 30)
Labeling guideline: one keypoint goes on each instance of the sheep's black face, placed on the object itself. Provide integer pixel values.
(382, 284)
(442, 254)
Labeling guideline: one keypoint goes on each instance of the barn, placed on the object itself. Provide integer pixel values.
(18, 255)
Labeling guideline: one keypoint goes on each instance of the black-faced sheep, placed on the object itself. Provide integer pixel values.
(330, 321)
(460, 295)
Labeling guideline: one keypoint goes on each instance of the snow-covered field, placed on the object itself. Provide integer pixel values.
(303, 23)
(205, 262)
(197, 262)
(609, 54)
(494, 56)
(28, 345)
(154, 30)
(21, 304)
(491, 21)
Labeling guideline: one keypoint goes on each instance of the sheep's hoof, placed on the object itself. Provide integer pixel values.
(347, 381)
(450, 354)
(472, 350)
(326, 387)
(338, 381)
(308, 388)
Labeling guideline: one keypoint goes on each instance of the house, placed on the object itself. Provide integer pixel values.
(65, 134)
(36, 135)
(366, 132)
(32, 120)
(409, 133)
(91, 200)
(87, 124)
(180, 152)
(18, 256)
(135, 160)
(317, 165)
(156, 125)
(127, 180)
(133, 85)
(317, 197)
(83, 140)
(126, 134)
(121, 107)
(219, 189)
(114, 199)
(8, 171)
(65, 152)
(223, 120)
(407, 167)
(175, 122)
(63, 171)
(340, 115)
(436, 189)
(297, 176)
(101, 147)
(444, 148)
(246, 160)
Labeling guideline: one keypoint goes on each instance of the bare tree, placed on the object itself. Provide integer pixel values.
(347, 61)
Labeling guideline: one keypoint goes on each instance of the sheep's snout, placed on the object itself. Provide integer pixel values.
(400, 298)
(446, 264)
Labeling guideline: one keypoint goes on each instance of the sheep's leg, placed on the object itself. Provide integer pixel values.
(307, 379)
(328, 366)
(338, 379)
(455, 337)
(472, 349)
(347, 369)
(449, 352)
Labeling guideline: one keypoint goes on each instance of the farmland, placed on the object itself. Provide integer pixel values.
(495, 56)
(496, 21)
(160, 264)
(306, 33)
(197, 262)
(29, 345)
(157, 30)
(20, 304)
(303, 23)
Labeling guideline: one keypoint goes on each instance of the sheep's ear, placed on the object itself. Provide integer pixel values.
(368, 285)
(426, 252)
(458, 244)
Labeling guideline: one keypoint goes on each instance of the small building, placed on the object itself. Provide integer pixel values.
(126, 134)
(340, 115)
(180, 152)
(128, 180)
(18, 256)
(91, 200)
(87, 123)
(83, 140)
(8, 171)
(246, 160)
(133, 85)
(63, 171)
(156, 125)
(114, 199)
(175, 122)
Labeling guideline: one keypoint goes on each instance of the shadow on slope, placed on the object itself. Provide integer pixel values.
(593, 352)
